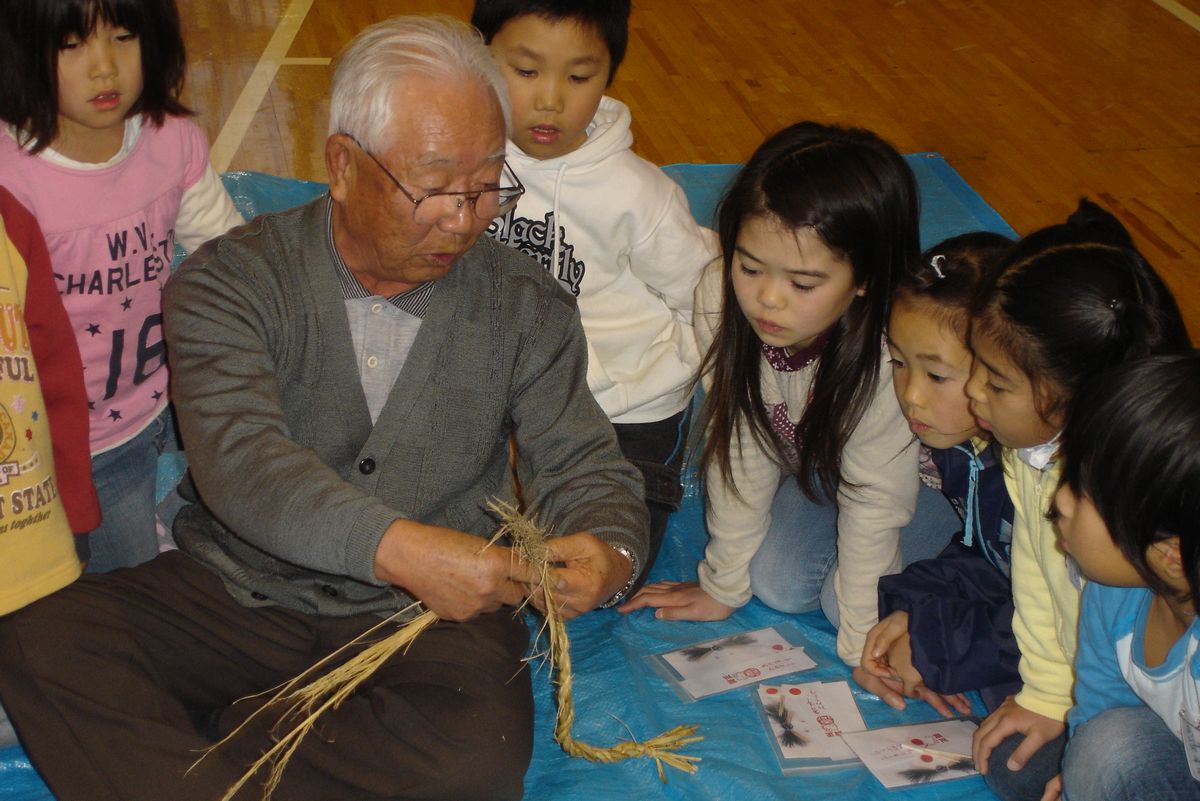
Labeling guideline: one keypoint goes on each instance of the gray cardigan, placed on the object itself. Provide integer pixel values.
(297, 487)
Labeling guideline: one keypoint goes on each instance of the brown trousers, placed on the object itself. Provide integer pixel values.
(118, 683)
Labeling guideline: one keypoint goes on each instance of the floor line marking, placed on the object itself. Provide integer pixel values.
(1188, 16)
(242, 115)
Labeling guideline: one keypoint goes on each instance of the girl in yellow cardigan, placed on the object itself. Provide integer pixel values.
(1066, 302)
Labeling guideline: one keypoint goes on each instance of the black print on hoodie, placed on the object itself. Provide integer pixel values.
(531, 237)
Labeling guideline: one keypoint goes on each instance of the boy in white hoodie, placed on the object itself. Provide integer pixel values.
(611, 226)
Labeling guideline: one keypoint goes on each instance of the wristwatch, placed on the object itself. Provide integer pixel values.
(620, 594)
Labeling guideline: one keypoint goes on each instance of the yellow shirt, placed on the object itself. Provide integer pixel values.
(1045, 592)
(37, 548)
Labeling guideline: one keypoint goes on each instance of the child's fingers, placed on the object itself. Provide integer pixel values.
(1029, 746)
(1053, 789)
(886, 639)
(879, 668)
(664, 585)
(672, 599)
(635, 603)
(960, 703)
(946, 705)
(891, 629)
(1035, 738)
(880, 687)
(650, 595)
(983, 744)
(660, 599)
(871, 649)
(934, 699)
(682, 612)
(881, 636)
(990, 734)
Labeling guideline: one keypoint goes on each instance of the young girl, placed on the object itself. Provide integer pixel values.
(97, 147)
(966, 589)
(1129, 514)
(815, 229)
(1065, 303)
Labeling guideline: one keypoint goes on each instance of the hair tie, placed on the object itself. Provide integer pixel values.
(936, 263)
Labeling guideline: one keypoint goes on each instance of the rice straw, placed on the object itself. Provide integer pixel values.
(308, 702)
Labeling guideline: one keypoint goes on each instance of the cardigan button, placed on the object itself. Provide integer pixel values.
(366, 466)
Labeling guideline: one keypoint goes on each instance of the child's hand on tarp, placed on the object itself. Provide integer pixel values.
(678, 600)
(887, 661)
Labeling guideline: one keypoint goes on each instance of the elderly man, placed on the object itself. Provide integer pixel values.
(347, 377)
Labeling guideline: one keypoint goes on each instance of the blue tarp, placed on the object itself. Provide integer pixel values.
(616, 692)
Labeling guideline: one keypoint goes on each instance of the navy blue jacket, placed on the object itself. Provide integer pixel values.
(960, 603)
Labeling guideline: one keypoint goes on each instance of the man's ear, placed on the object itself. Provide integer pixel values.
(340, 164)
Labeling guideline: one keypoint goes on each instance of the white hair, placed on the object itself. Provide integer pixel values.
(432, 45)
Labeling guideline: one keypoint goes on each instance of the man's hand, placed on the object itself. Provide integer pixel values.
(1008, 719)
(449, 571)
(677, 600)
(585, 573)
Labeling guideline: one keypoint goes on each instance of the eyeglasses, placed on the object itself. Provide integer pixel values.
(485, 204)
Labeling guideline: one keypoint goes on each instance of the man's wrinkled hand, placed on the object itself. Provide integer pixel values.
(449, 571)
(585, 572)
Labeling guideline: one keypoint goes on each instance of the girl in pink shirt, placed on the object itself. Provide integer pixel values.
(98, 147)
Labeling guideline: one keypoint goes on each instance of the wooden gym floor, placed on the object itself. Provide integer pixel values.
(1034, 102)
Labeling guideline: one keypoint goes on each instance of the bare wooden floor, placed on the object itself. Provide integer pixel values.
(1034, 102)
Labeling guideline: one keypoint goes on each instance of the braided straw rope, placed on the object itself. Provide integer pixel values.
(309, 701)
(530, 542)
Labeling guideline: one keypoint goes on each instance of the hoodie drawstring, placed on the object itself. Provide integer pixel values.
(972, 511)
(972, 526)
(554, 253)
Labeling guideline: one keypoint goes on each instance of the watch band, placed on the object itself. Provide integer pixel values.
(620, 594)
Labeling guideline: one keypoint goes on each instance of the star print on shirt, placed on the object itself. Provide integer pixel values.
(157, 394)
(125, 304)
(91, 406)
(115, 415)
(93, 329)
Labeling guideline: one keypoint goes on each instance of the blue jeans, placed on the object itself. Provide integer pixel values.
(1027, 783)
(125, 479)
(657, 449)
(7, 735)
(1127, 753)
(793, 568)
